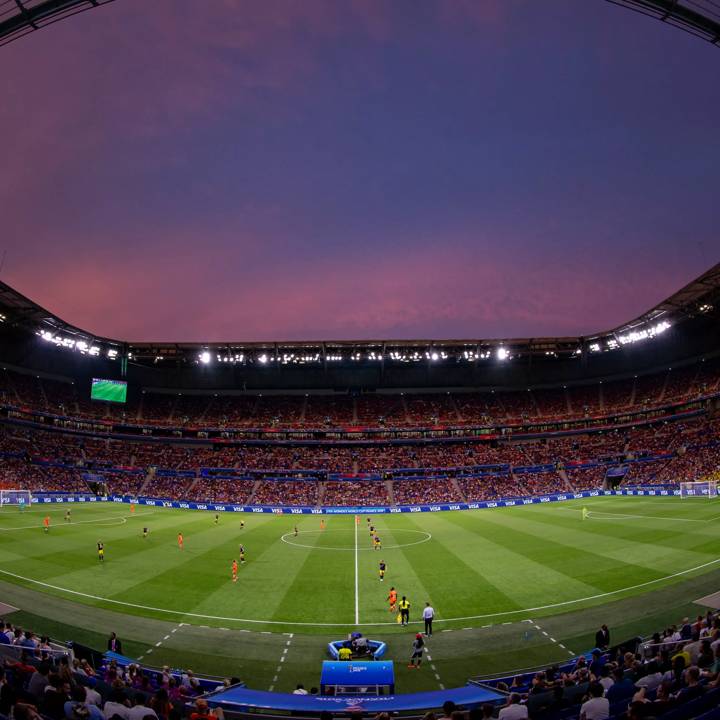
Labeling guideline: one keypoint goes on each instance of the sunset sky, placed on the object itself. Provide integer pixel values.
(236, 170)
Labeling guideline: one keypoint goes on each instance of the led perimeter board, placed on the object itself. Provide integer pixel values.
(108, 390)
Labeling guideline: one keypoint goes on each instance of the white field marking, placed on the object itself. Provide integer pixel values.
(357, 594)
(427, 537)
(552, 639)
(286, 623)
(100, 521)
(282, 660)
(623, 516)
(160, 642)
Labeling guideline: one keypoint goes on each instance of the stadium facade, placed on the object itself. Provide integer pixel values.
(680, 330)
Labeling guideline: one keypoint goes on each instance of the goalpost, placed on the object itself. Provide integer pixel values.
(703, 488)
(21, 498)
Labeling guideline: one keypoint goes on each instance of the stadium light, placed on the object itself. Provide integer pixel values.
(204, 357)
(502, 353)
(263, 358)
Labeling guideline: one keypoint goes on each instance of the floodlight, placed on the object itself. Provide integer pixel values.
(204, 357)
(502, 353)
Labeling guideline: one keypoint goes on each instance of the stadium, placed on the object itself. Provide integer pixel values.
(482, 527)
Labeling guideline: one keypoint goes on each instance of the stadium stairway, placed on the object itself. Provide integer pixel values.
(566, 480)
(453, 482)
(255, 488)
(321, 493)
(189, 491)
(149, 477)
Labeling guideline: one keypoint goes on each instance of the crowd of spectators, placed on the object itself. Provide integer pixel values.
(415, 492)
(663, 453)
(357, 492)
(676, 672)
(42, 682)
(291, 492)
(367, 410)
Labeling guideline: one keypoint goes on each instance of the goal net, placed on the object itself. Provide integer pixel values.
(706, 488)
(21, 498)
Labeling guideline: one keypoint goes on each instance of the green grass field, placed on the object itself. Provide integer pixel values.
(635, 563)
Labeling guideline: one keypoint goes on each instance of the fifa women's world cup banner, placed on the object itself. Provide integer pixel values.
(350, 510)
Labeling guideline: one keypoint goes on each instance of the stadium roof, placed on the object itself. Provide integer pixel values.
(20, 17)
(700, 297)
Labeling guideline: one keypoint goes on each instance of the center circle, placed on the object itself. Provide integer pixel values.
(291, 539)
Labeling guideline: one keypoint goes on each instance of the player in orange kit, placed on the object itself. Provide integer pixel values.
(46, 523)
(180, 541)
(392, 599)
(234, 570)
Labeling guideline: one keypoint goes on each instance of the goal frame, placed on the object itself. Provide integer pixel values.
(4, 493)
(711, 485)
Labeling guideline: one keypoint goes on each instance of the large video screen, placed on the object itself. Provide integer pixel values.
(108, 390)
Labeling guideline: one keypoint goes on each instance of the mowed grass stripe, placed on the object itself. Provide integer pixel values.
(447, 567)
(577, 563)
(503, 560)
(194, 572)
(323, 586)
(402, 572)
(673, 532)
(131, 560)
(612, 543)
(63, 550)
(261, 587)
(636, 523)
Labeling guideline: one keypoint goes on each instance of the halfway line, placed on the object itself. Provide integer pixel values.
(357, 599)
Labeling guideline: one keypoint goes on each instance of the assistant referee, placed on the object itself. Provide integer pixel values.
(404, 606)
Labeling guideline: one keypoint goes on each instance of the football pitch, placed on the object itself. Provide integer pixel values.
(511, 587)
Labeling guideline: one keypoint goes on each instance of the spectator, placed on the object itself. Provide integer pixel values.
(651, 681)
(692, 687)
(39, 680)
(202, 711)
(140, 711)
(513, 710)
(621, 688)
(597, 707)
(449, 708)
(605, 680)
(79, 709)
(117, 705)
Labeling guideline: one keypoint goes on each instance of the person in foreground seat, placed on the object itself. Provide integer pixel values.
(513, 710)
(597, 707)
